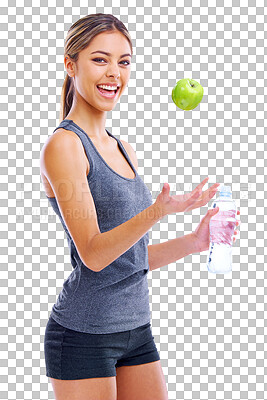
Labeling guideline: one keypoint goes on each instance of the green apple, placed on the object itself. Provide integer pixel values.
(187, 94)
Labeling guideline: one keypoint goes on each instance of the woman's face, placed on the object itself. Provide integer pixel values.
(98, 68)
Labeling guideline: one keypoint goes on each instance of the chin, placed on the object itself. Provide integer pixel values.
(106, 107)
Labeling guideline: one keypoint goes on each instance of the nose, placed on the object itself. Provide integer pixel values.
(113, 71)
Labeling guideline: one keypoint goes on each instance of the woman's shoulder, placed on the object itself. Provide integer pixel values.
(63, 134)
(65, 142)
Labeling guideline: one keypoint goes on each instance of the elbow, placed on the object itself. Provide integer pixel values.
(90, 259)
(93, 266)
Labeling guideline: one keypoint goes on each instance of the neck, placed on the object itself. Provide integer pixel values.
(90, 119)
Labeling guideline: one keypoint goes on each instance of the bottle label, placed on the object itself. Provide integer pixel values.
(222, 227)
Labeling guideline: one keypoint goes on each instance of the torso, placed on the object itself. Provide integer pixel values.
(110, 153)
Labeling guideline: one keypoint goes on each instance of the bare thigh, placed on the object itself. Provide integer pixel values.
(141, 382)
(85, 389)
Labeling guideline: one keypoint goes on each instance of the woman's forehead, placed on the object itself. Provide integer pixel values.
(110, 42)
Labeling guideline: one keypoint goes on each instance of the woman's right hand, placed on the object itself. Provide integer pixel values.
(186, 202)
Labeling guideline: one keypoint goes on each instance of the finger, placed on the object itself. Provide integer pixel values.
(192, 200)
(212, 190)
(200, 185)
(211, 212)
(209, 193)
(166, 188)
(204, 197)
(194, 196)
(214, 187)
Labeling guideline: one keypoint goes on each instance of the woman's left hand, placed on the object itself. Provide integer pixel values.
(202, 233)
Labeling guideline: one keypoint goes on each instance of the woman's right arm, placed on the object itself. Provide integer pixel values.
(63, 163)
(107, 246)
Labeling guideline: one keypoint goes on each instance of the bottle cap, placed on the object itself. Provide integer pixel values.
(225, 191)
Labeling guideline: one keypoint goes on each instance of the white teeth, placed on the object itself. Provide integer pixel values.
(107, 87)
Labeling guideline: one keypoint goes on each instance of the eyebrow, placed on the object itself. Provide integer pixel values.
(108, 54)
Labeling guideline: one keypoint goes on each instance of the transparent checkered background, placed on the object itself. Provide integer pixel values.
(210, 329)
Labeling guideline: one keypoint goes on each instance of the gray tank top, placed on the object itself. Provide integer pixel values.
(115, 299)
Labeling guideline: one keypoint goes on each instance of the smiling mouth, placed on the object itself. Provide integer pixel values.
(107, 93)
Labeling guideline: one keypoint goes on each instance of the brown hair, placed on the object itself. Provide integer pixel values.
(79, 36)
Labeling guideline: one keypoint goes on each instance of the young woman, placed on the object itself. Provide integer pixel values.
(98, 340)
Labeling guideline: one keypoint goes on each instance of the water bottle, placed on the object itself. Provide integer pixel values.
(222, 226)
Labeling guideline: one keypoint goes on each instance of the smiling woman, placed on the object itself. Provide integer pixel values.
(100, 323)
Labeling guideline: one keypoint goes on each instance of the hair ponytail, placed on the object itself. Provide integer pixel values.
(67, 95)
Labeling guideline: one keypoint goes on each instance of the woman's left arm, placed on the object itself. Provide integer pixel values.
(162, 254)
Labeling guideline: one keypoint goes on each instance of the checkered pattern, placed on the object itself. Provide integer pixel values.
(210, 330)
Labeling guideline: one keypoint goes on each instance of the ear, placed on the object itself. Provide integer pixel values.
(70, 66)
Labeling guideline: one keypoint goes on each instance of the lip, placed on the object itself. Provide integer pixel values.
(106, 96)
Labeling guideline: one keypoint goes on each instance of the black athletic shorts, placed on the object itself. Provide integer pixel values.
(71, 354)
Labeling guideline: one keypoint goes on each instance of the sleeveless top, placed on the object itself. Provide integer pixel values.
(116, 298)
